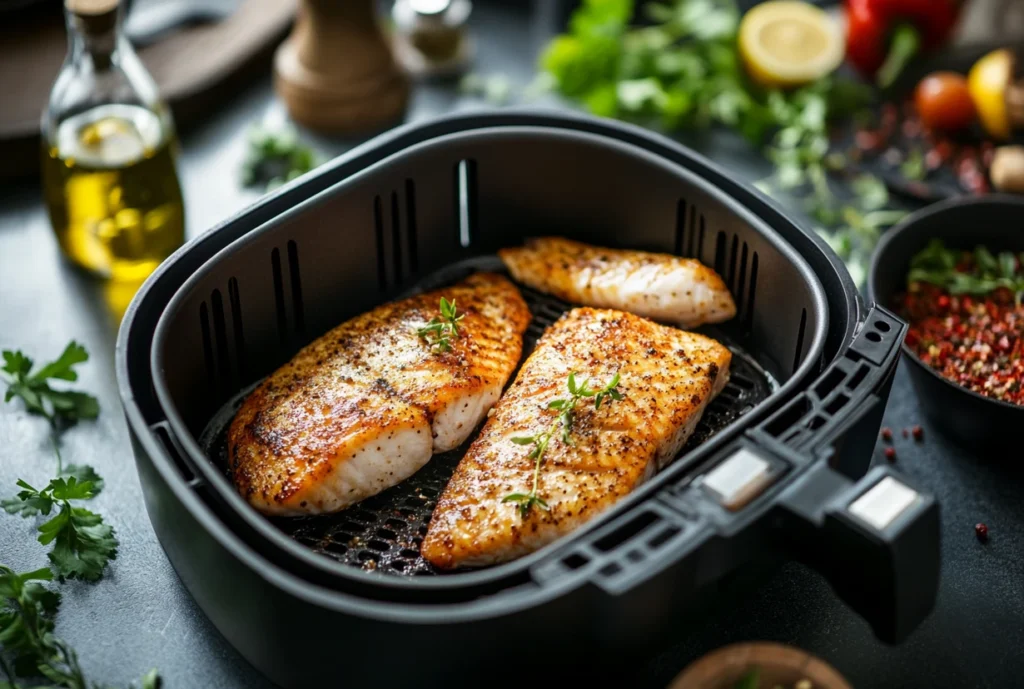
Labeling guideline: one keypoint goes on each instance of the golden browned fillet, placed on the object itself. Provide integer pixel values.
(667, 376)
(366, 405)
(660, 286)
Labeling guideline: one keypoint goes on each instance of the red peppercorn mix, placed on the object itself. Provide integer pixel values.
(975, 341)
(981, 531)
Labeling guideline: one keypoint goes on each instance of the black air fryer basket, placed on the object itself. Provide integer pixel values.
(779, 465)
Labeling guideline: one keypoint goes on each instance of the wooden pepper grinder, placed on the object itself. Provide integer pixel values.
(336, 73)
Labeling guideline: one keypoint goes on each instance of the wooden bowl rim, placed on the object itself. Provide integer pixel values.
(718, 668)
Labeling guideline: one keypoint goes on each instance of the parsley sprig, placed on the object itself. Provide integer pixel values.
(82, 543)
(61, 407)
(28, 646)
(439, 332)
(985, 272)
(566, 409)
(681, 70)
(34, 388)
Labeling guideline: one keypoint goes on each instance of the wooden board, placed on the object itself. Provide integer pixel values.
(195, 68)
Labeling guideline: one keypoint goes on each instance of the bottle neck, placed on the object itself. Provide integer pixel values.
(94, 37)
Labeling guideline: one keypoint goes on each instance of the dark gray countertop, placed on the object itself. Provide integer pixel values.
(140, 616)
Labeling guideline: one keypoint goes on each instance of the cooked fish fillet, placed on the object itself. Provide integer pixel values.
(666, 377)
(659, 286)
(366, 405)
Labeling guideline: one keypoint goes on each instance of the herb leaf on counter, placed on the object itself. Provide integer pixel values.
(28, 647)
(58, 406)
(82, 543)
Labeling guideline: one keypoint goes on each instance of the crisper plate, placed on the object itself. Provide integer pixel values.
(384, 532)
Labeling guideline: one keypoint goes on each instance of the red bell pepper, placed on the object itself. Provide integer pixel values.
(884, 35)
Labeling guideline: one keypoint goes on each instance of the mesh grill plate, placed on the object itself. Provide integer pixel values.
(384, 532)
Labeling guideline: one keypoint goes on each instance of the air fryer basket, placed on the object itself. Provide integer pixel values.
(423, 207)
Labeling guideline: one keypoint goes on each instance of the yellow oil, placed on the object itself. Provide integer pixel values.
(112, 191)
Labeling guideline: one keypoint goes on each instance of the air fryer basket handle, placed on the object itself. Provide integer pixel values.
(875, 539)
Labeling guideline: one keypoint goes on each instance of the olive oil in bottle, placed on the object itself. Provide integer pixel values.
(108, 166)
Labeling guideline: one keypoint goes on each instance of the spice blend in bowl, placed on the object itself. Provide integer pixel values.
(966, 318)
(953, 271)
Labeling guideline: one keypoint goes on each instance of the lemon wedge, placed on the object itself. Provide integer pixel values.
(788, 43)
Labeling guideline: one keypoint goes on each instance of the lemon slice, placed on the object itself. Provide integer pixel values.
(789, 43)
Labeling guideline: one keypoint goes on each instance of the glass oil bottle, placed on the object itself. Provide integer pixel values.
(109, 149)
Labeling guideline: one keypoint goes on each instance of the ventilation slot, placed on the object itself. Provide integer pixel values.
(700, 241)
(738, 292)
(680, 226)
(625, 531)
(296, 280)
(663, 537)
(800, 339)
(204, 326)
(410, 224)
(830, 383)
(859, 375)
(748, 315)
(282, 317)
(396, 238)
(838, 403)
(235, 300)
(465, 200)
(378, 227)
(575, 561)
(720, 253)
(692, 225)
(220, 333)
(789, 416)
(733, 255)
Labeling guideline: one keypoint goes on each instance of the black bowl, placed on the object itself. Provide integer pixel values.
(998, 223)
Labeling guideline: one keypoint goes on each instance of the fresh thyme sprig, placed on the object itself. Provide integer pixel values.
(439, 332)
(566, 409)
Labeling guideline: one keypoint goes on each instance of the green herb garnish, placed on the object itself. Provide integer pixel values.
(751, 680)
(564, 421)
(82, 543)
(681, 71)
(28, 647)
(276, 156)
(913, 168)
(439, 332)
(938, 265)
(33, 388)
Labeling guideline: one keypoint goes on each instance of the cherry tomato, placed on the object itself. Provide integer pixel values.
(944, 102)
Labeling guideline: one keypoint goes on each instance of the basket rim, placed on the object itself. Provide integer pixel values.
(385, 147)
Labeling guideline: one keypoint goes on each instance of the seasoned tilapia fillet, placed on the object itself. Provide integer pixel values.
(666, 377)
(659, 286)
(366, 405)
